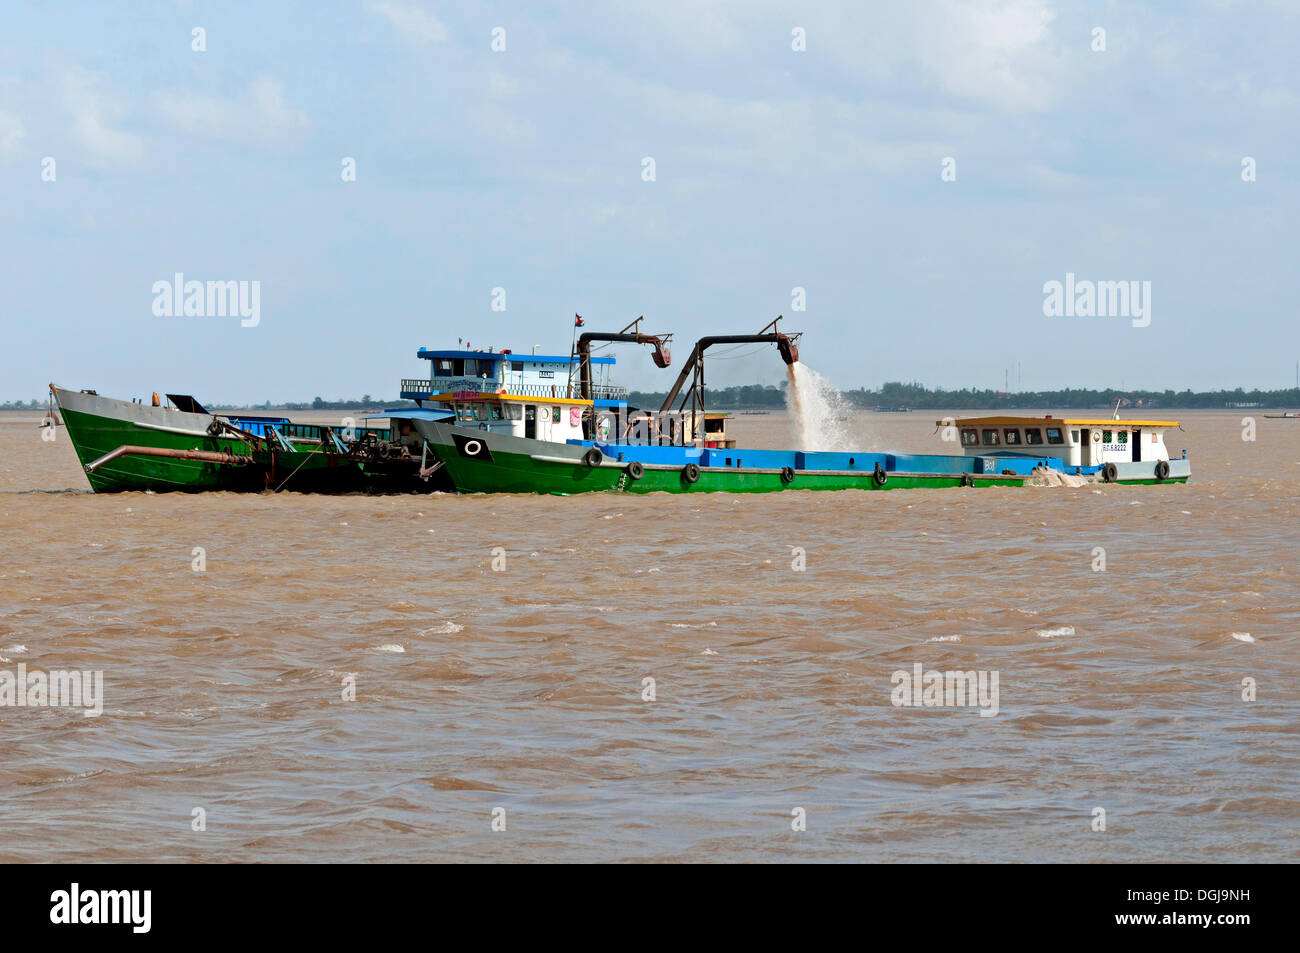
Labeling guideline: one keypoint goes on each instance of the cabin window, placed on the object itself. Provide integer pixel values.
(1123, 436)
(1011, 436)
(555, 415)
(969, 437)
(1033, 436)
(1105, 436)
(513, 411)
(446, 367)
(1054, 435)
(990, 437)
(495, 410)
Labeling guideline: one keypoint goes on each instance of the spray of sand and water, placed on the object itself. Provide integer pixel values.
(820, 414)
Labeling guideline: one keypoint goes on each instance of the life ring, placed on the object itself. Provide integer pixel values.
(593, 457)
(879, 475)
(1096, 436)
(1162, 469)
(787, 475)
(472, 448)
(1110, 473)
(635, 470)
(967, 479)
(690, 473)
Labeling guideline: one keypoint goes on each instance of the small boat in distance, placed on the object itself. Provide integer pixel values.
(1287, 415)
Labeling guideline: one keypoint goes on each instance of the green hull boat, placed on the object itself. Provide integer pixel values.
(125, 446)
(484, 462)
(513, 436)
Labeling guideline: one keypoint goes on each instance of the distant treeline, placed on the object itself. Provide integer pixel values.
(919, 397)
(892, 394)
(364, 402)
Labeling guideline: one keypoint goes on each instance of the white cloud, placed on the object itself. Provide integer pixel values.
(1046, 175)
(794, 134)
(1248, 92)
(496, 123)
(417, 26)
(501, 86)
(999, 53)
(264, 114)
(93, 115)
(12, 132)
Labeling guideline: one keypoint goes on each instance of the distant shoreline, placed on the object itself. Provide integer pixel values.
(926, 416)
(912, 396)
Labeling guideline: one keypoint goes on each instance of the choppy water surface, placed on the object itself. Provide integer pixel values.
(522, 688)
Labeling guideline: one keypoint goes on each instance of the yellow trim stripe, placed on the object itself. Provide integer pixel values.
(1051, 421)
(449, 398)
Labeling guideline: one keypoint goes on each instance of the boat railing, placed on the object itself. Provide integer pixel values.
(598, 391)
(419, 389)
(310, 433)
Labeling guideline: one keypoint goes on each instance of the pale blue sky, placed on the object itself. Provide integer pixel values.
(523, 169)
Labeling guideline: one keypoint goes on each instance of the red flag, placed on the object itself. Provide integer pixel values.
(577, 320)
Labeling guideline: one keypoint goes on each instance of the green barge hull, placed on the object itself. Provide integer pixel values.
(480, 462)
(97, 426)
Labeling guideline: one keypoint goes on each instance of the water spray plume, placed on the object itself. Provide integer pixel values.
(818, 410)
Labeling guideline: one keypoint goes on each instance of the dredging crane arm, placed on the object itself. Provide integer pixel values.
(660, 355)
(785, 344)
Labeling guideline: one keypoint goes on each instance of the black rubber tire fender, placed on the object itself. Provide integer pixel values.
(635, 470)
(1110, 473)
(691, 473)
(593, 457)
(879, 475)
(787, 475)
(1162, 469)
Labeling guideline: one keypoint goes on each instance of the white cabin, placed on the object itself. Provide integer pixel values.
(535, 375)
(547, 418)
(1079, 442)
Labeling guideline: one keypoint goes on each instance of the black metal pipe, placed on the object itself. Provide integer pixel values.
(205, 456)
(789, 353)
(660, 355)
